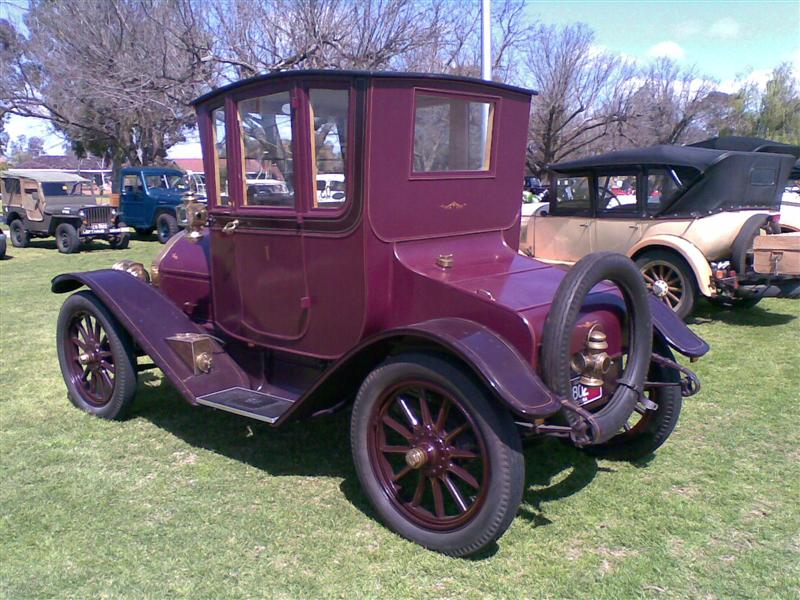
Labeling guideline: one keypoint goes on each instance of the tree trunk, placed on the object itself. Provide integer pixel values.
(116, 167)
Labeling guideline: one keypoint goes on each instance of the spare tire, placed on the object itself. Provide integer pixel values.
(743, 244)
(561, 321)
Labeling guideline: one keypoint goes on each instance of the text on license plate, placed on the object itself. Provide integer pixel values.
(583, 395)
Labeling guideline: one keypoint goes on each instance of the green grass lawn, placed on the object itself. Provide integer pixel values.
(189, 502)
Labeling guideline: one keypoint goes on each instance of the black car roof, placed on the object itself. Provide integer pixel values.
(676, 156)
(747, 144)
(300, 73)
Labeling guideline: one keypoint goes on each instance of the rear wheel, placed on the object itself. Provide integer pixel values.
(647, 429)
(20, 237)
(439, 460)
(166, 227)
(67, 239)
(669, 277)
(96, 357)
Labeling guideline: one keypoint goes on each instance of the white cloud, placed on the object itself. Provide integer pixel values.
(668, 49)
(725, 28)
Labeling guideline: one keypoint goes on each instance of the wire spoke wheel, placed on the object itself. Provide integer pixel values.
(90, 361)
(428, 455)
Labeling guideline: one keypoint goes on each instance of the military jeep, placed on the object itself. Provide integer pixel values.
(405, 300)
(41, 204)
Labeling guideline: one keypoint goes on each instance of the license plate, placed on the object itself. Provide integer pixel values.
(584, 395)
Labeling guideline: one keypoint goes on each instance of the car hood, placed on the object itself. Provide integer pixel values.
(494, 285)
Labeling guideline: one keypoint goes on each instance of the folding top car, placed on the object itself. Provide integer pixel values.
(402, 295)
(688, 217)
(41, 203)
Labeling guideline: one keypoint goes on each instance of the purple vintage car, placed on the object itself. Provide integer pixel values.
(402, 296)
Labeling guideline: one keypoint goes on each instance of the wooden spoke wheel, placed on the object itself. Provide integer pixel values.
(96, 357)
(438, 457)
(428, 454)
(670, 279)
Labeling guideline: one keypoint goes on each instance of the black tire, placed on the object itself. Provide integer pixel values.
(20, 237)
(503, 487)
(742, 247)
(653, 427)
(144, 231)
(2, 247)
(121, 241)
(67, 239)
(166, 227)
(121, 348)
(560, 323)
(674, 265)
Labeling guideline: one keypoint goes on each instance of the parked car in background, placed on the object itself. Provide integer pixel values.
(196, 183)
(687, 216)
(409, 301)
(41, 204)
(149, 197)
(331, 191)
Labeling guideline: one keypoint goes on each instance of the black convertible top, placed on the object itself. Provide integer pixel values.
(724, 178)
(676, 156)
(753, 144)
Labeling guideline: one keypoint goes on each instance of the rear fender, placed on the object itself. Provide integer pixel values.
(150, 318)
(688, 251)
(491, 359)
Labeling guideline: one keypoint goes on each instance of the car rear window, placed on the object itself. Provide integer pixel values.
(451, 134)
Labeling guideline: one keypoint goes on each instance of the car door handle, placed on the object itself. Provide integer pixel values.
(230, 226)
(633, 226)
(585, 224)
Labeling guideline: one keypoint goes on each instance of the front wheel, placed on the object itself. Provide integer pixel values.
(121, 241)
(166, 227)
(439, 460)
(67, 239)
(96, 357)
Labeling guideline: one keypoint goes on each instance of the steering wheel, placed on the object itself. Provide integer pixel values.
(611, 197)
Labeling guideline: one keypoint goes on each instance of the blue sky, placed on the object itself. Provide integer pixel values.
(722, 39)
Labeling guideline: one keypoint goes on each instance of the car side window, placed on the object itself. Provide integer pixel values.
(268, 165)
(220, 155)
(616, 195)
(131, 183)
(572, 197)
(329, 146)
(663, 185)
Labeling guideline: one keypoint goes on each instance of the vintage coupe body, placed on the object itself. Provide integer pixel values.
(404, 297)
(40, 204)
(687, 215)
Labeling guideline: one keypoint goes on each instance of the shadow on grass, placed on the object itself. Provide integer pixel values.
(752, 317)
(321, 447)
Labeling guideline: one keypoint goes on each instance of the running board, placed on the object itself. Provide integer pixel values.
(248, 403)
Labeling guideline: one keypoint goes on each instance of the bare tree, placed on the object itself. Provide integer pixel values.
(672, 105)
(115, 76)
(583, 93)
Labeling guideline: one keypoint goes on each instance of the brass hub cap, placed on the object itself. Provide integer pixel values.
(416, 458)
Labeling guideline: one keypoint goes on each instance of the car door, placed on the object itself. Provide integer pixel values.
(565, 233)
(132, 201)
(259, 278)
(618, 211)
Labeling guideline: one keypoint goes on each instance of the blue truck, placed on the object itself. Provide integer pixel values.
(148, 199)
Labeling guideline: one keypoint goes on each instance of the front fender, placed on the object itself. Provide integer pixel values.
(150, 318)
(690, 253)
(491, 359)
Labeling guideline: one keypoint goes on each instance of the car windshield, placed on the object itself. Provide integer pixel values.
(67, 188)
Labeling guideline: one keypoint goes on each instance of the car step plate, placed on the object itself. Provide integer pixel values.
(248, 403)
